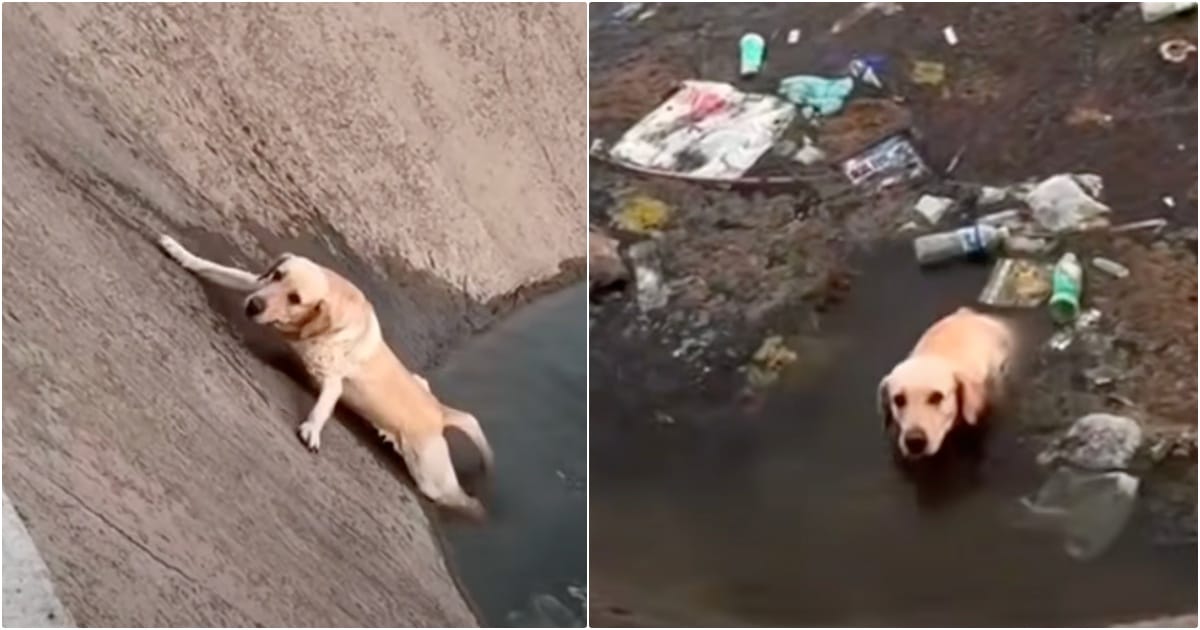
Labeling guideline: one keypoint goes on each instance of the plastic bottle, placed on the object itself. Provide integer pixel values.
(1067, 286)
(753, 47)
(965, 241)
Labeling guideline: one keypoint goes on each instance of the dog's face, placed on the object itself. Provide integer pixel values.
(292, 298)
(923, 397)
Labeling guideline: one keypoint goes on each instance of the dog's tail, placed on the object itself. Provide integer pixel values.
(467, 423)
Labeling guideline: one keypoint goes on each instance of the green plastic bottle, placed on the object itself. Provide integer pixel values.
(1067, 287)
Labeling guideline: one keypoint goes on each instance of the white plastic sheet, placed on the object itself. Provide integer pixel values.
(706, 129)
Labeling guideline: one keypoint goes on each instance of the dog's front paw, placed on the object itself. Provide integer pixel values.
(310, 434)
(175, 250)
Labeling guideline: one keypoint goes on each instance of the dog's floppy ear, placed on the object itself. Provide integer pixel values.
(885, 402)
(970, 395)
(318, 320)
(274, 265)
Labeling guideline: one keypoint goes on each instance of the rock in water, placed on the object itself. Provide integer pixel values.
(1098, 441)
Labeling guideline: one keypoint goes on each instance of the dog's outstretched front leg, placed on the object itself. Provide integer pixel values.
(227, 277)
(310, 429)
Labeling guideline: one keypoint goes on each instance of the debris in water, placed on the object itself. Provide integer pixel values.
(950, 35)
(753, 47)
(927, 73)
(1148, 224)
(770, 359)
(1089, 509)
(971, 240)
(1111, 267)
(793, 36)
(1017, 283)
(1168, 201)
(863, 10)
(866, 70)
(1155, 11)
(663, 418)
(1101, 376)
(1176, 50)
(705, 130)
(1068, 202)
(1089, 116)
(1097, 442)
(643, 214)
(605, 268)
(1067, 282)
(809, 154)
(885, 164)
(652, 292)
(816, 95)
(933, 208)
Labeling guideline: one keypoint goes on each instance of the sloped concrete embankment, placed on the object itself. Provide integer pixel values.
(433, 153)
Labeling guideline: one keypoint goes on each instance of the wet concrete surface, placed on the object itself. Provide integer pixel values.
(149, 437)
(526, 379)
(714, 504)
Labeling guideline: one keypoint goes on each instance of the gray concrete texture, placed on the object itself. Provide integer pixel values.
(434, 153)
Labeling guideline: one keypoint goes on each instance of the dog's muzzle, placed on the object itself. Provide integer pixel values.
(915, 442)
(254, 306)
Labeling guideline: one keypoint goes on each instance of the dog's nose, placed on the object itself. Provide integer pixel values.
(254, 306)
(915, 441)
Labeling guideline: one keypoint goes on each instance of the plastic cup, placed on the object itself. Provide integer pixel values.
(753, 48)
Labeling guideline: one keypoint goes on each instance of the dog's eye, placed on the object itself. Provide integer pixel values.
(898, 400)
(294, 297)
(935, 398)
(277, 276)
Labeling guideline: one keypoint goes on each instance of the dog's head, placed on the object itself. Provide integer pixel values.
(296, 297)
(924, 397)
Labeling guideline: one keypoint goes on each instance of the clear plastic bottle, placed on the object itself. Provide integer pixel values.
(965, 241)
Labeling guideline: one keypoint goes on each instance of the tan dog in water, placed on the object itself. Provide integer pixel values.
(955, 371)
(330, 324)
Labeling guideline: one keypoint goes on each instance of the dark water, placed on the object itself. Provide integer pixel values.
(795, 513)
(526, 381)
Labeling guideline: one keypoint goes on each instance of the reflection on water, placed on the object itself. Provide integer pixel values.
(526, 381)
(796, 514)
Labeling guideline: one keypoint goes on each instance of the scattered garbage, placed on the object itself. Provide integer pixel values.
(1147, 224)
(816, 95)
(705, 130)
(890, 162)
(793, 36)
(1111, 267)
(1090, 510)
(1096, 442)
(809, 154)
(1020, 245)
(628, 10)
(863, 10)
(605, 267)
(1004, 217)
(966, 241)
(768, 361)
(1017, 283)
(1067, 282)
(652, 291)
(1155, 11)
(867, 70)
(950, 35)
(642, 214)
(933, 208)
(1068, 202)
(991, 195)
(1176, 50)
(927, 73)
(753, 48)
(1065, 336)
(1168, 201)
(1089, 116)
(1101, 376)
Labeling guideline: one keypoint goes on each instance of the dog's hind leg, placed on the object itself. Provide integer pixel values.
(228, 277)
(430, 465)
